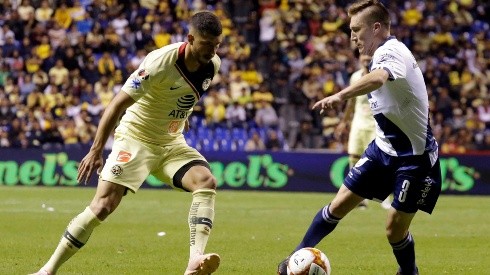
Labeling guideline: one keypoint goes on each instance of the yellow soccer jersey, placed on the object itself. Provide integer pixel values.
(363, 117)
(165, 93)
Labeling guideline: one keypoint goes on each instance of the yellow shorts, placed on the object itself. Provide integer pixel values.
(131, 162)
(359, 140)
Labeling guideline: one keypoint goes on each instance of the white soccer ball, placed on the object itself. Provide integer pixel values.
(308, 261)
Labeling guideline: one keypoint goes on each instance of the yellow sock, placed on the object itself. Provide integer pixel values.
(76, 235)
(201, 216)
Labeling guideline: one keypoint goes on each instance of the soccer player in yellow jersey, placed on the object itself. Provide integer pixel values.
(362, 128)
(154, 103)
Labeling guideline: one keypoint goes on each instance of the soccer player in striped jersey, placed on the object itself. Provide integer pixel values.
(403, 158)
(155, 103)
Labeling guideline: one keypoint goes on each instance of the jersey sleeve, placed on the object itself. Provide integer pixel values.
(148, 74)
(391, 61)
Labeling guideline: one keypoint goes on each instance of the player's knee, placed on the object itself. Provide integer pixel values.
(395, 233)
(206, 181)
(102, 208)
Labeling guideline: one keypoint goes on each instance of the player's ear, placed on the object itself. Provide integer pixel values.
(190, 38)
(376, 27)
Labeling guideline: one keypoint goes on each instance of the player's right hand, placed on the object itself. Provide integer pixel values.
(327, 102)
(90, 163)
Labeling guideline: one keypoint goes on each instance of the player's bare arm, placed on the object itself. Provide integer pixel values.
(364, 85)
(93, 160)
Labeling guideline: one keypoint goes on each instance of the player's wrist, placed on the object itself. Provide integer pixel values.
(343, 95)
(96, 149)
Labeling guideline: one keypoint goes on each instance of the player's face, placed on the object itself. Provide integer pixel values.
(204, 47)
(363, 34)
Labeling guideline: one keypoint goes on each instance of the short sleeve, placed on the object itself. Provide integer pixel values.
(142, 79)
(391, 61)
(135, 83)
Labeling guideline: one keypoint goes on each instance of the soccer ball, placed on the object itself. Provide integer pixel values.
(308, 261)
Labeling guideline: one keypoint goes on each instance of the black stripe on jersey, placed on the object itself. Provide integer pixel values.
(398, 139)
(197, 78)
(430, 141)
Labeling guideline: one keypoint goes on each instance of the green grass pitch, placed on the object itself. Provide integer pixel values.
(252, 232)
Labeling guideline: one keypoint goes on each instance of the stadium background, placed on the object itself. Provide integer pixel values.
(285, 54)
(63, 61)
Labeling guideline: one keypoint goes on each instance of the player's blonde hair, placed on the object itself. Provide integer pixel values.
(376, 11)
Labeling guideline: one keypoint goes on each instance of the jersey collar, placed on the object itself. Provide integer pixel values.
(386, 40)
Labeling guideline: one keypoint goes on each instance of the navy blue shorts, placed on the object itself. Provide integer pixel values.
(414, 181)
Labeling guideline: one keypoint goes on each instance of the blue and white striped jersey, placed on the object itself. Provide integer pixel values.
(401, 106)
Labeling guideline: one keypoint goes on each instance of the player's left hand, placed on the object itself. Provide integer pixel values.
(186, 125)
(328, 102)
(91, 163)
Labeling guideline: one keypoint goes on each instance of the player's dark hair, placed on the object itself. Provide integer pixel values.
(206, 23)
(377, 12)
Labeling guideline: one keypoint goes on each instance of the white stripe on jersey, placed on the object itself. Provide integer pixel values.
(401, 105)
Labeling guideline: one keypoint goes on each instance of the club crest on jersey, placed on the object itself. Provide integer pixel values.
(206, 83)
(143, 74)
(116, 170)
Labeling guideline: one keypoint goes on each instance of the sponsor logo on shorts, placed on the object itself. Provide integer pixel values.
(123, 156)
(425, 191)
(358, 164)
(116, 170)
(361, 162)
(355, 169)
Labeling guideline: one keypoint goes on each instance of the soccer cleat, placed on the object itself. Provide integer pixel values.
(41, 272)
(203, 264)
(282, 268)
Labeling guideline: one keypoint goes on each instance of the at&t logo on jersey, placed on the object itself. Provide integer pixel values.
(184, 104)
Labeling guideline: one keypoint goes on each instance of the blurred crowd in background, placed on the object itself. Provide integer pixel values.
(61, 63)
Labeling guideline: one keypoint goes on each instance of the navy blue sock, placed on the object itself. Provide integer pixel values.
(404, 251)
(323, 223)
